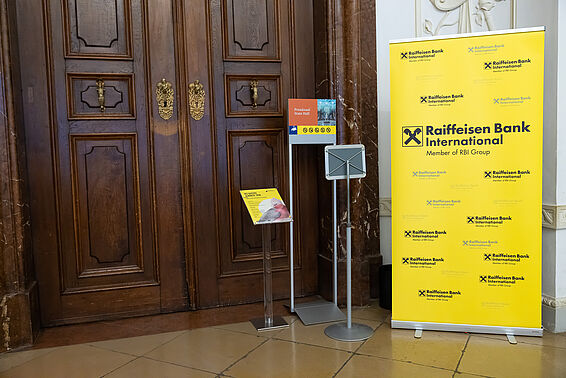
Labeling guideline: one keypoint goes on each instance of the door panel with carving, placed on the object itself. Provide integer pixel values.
(255, 58)
(103, 167)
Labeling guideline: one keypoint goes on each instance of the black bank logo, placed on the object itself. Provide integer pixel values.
(424, 235)
(438, 295)
(506, 175)
(421, 262)
(454, 135)
(412, 136)
(484, 49)
(428, 175)
(506, 65)
(442, 204)
(441, 99)
(500, 280)
(487, 220)
(502, 258)
(511, 100)
(474, 243)
(420, 55)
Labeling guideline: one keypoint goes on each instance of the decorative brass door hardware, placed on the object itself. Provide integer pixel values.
(196, 100)
(165, 98)
(100, 91)
(253, 90)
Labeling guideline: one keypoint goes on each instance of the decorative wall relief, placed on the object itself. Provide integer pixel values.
(436, 17)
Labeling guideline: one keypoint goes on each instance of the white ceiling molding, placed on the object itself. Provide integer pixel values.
(436, 17)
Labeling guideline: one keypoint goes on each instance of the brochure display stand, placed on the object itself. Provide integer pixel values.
(266, 208)
(313, 121)
(346, 162)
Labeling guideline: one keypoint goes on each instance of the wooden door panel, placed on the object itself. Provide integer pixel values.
(108, 225)
(256, 161)
(239, 96)
(83, 96)
(112, 171)
(97, 28)
(251, 29)
(243, 145)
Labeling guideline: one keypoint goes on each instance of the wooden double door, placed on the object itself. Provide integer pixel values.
(143, 121)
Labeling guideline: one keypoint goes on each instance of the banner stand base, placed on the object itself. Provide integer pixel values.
(507, 331)
(341, 332)
(511, 339)
(418, 333)
(260, 324)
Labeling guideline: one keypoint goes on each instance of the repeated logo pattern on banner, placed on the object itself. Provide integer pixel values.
(466, 140)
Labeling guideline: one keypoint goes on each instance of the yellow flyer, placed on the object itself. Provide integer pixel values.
(265, 206)
(466, 162)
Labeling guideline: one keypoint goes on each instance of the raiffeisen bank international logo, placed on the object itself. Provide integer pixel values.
(420, 55)
(441, 99)
(412, 136)
(504, 65)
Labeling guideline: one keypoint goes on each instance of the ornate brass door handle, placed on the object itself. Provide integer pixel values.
(100, 91)
(196, 100)
(253, 92)
(165, 98)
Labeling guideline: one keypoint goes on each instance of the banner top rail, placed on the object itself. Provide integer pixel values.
(467, 35)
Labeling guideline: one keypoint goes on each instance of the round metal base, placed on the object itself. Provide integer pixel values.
(341, 332)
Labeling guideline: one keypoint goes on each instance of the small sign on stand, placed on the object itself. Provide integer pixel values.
(266, 208)
(313, 121)
(347, 162)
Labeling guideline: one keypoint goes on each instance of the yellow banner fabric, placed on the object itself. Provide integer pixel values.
(466, 160)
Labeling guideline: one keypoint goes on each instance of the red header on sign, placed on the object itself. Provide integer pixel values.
(303, 112)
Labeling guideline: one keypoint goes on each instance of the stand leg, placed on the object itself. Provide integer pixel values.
(267, 279)
(335, 242)
(348, 250)
(348, 331)
(268, 322)
(291, 227)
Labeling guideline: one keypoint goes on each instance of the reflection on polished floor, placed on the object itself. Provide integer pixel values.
(172, 346)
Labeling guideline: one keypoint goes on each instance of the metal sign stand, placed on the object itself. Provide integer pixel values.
(268, 322)
(346, 162)
(319, 311)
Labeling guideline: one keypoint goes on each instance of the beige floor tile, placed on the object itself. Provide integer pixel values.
(372, 312)
(364, 366)
(247, 327)
(314, 335)
(75, 361)
(209, 349)
(278, 358)
(557, 340)
(437, 349)
(137, 346)
(13, 359)
(146, 368)
(500, 359)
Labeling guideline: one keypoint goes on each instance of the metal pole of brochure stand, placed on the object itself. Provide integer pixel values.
(268, 322)
(346, 162)
(318, 311)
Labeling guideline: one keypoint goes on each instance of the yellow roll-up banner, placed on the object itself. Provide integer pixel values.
(466, 160)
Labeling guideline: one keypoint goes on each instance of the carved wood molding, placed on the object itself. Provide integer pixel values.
(384, 207)
(553, 302)
(554, 216)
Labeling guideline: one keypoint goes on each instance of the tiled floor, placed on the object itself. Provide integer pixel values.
(237, 350)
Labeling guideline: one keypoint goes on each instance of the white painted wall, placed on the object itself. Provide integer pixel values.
(395, 20)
